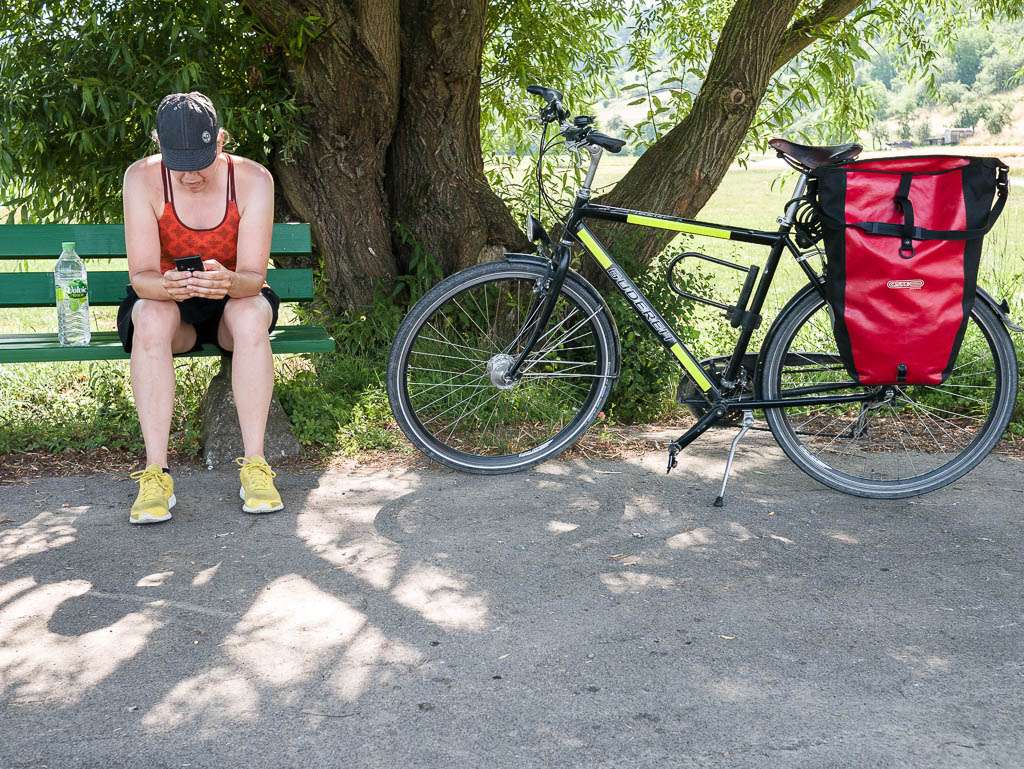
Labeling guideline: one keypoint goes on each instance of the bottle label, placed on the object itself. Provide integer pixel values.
(75, 293)
(76, 290)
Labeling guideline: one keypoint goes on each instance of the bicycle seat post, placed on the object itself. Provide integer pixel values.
(790, 215)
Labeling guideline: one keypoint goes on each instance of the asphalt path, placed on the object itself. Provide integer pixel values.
(587, 613)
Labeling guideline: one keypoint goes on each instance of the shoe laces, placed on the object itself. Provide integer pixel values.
(151, 484)
(257, 472)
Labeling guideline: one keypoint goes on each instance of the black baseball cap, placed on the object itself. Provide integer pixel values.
(186, 126)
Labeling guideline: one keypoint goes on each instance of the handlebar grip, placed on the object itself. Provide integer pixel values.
(606, 142)
(548, 94)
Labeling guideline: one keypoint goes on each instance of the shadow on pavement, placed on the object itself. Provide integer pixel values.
(583, 614)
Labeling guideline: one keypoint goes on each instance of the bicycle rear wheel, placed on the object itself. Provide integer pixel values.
(917, 438)
(445, 369)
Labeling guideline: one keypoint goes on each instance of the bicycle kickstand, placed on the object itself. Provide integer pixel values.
(748, 422)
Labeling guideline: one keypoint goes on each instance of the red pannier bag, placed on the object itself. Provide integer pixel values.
(903, 243)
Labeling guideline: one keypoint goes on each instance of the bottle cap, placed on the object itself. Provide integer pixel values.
(68, 246)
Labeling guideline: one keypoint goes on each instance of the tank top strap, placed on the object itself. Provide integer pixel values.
(231, 179)
(165, 175)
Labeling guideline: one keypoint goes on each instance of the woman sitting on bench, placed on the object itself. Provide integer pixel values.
(192, 199)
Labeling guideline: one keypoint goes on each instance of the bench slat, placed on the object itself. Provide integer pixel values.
(36, 348)
(107, 287)
(42, 241)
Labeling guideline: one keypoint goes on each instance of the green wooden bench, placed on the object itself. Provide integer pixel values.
(93, 241)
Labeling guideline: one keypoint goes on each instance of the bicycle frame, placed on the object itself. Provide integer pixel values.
(778, 242)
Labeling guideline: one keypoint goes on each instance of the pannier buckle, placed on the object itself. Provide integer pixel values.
(907, 248)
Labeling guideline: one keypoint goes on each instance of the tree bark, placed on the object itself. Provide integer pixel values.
(349, 83)
(435, 175)
(393, 93)
(680, 171)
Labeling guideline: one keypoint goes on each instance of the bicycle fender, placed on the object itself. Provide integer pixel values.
(587, 286)
(1002, 309)
(773, 330)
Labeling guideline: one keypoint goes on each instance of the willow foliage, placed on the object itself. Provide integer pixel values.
(82, 78)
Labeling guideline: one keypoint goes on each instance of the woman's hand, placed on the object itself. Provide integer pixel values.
(176, 285)
(213, 283)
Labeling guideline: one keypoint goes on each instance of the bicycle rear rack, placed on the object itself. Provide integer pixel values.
(736, 314)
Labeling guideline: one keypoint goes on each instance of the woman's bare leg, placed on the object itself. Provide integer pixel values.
(243, 329)
(159, 332)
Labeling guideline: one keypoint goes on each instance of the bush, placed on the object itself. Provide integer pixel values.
(922, 131)
(952, 92)
(970, 111)
(999, 71)
(646, 387)
(340, 404)
(82, 406)
(998, 119)
(906, 130)
(339, 401)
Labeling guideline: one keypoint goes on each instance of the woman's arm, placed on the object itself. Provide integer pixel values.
(142, 241)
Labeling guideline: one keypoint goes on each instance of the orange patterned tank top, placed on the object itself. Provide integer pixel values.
(177, 239)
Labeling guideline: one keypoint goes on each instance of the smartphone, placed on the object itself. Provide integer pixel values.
(189, 263)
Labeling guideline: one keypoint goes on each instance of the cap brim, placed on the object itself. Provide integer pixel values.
(189, 160)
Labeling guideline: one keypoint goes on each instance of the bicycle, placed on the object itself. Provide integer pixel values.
(504, 365)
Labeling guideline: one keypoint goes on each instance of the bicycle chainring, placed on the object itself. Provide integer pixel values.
(688, 395)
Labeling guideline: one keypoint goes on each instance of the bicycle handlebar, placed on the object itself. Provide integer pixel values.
(554, 111)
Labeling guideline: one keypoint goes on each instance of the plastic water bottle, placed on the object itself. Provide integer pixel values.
(72, 289)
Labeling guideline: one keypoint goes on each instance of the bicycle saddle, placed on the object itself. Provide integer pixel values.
(812, 157)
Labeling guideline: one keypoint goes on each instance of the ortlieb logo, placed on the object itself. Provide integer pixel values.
(912, 284)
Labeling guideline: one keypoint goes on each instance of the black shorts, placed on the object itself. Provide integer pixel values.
(202, 313)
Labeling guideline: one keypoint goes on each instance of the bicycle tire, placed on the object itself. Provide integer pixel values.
(443, 375)
(922, 439)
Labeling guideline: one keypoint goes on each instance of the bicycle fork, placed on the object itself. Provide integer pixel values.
(547, 296)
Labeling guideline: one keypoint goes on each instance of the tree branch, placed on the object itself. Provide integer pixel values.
(803, 32)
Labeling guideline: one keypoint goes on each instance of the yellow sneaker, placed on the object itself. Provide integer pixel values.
(156, 496)
(258, 493)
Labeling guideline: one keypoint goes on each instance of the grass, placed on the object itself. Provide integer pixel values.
(337, 402)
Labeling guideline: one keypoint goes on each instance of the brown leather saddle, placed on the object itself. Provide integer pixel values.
(809, 157)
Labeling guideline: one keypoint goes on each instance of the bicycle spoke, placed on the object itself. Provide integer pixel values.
(448, 369)
(918, 438)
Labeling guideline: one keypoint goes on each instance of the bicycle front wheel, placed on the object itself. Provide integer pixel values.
(916, 438)
(445, 371)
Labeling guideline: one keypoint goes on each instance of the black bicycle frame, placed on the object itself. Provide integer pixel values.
(577, 232)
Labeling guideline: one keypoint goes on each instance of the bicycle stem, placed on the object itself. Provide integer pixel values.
(595, 158)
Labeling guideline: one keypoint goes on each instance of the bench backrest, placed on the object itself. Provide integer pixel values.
(107, 287)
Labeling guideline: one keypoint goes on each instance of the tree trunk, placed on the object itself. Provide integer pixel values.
(393, 89)
(435, 175)
(679, 172)
(393, 93)
(349, 82)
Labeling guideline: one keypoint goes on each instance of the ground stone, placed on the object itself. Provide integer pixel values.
(221, 436)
